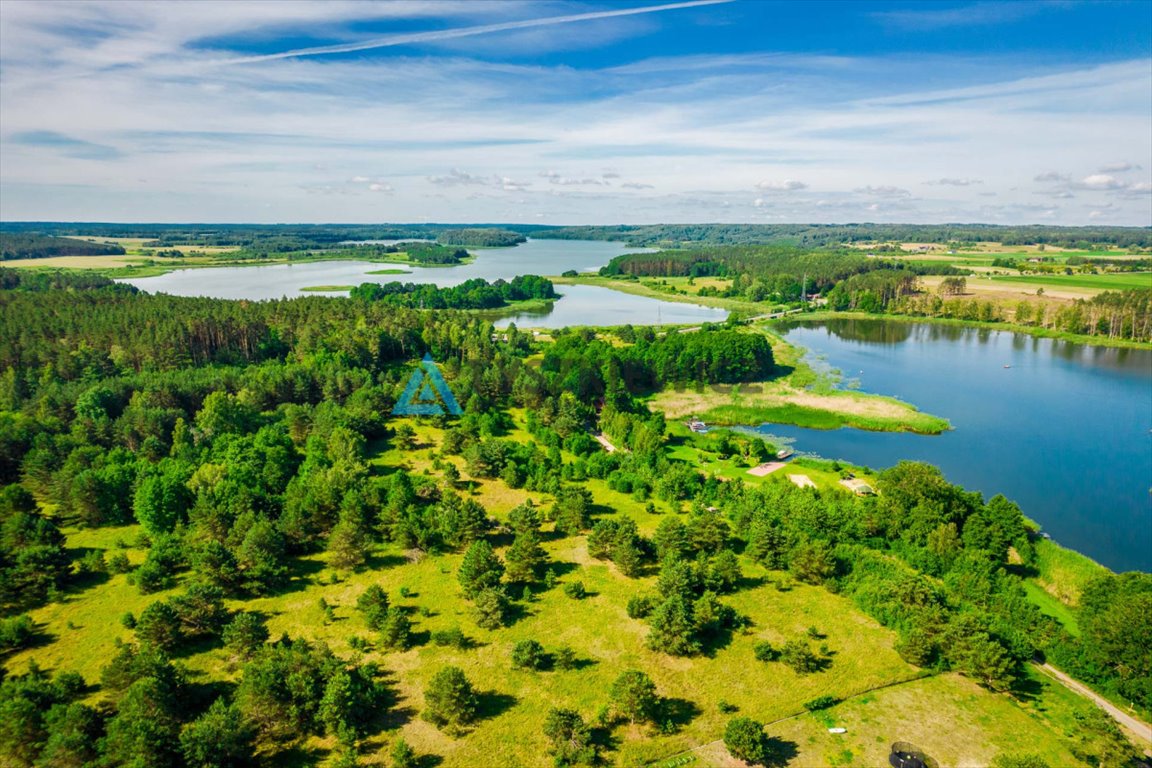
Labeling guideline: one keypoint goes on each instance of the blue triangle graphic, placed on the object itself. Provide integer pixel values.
(420, 396)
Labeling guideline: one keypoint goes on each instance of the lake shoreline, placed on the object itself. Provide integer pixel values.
(637, 288)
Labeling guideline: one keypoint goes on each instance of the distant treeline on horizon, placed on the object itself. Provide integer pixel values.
(663, 235)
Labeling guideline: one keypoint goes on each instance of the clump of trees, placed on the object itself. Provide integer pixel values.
(488, 237)
(476, 293)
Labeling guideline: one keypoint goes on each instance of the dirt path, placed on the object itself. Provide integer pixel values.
(1137, 727)
(604, 442)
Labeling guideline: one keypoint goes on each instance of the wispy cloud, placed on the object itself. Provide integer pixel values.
(787, 185)
(1119, 167)
(561, 139)
(883, 191)
(438, 35)
(972, 15)
(68, 146)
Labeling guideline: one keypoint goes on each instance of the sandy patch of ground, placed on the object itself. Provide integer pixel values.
(989, 288)
(766, 468)
(847, 402)
(802, 481)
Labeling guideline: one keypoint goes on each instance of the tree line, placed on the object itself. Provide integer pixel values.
(836, 235)
(480, 238)
(29, 245)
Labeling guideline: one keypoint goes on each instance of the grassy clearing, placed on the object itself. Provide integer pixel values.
(1050, 606)
(950, 718)
(653, 289)
(77, 262)
(821, 472)
(83, 632)
(779, 402)
(1112, 281)
(1062, 573)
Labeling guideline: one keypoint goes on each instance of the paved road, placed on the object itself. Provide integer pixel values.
(1137, 727)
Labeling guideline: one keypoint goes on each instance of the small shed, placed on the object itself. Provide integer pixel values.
(858, 486)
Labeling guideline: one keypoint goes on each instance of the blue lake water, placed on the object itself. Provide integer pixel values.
(579, 305)
(1065, 431)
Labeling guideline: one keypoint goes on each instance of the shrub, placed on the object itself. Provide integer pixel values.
(575, 590)
(765, 652)
(639, 606)
(452, 638)
(745, 740)
(528, 654)
(821, 702)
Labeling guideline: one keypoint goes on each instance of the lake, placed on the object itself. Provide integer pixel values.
(579, 305)
(1065, 431)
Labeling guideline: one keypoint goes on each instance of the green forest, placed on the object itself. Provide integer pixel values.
(476, 293)
(241, 442)
(22, 245)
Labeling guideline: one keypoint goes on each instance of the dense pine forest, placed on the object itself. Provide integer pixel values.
(22, 245)
(240, 437)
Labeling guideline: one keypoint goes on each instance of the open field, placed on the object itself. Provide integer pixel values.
(654, 288)
(908, 713)
(78, 262)
(1111, 281)
(958, 722)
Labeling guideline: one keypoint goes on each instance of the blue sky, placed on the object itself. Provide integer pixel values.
(576, 112)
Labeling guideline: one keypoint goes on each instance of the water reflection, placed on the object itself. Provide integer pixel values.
(1061, 428)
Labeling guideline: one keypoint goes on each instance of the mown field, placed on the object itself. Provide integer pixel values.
(957, 721)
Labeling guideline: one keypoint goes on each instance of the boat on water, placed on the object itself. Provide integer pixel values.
(784, 453)
(697, 426)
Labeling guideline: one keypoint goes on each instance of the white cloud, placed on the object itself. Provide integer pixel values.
(225, 142)
(1051, 176)
(1119, 167)
(456, 177)
(1100, 181)
(883, 191)
(788, 185)
(951, 181)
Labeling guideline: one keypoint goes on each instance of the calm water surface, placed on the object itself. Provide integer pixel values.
(579, 305)
(1065, 432)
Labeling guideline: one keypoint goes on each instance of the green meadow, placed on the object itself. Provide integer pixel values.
(884, 699)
